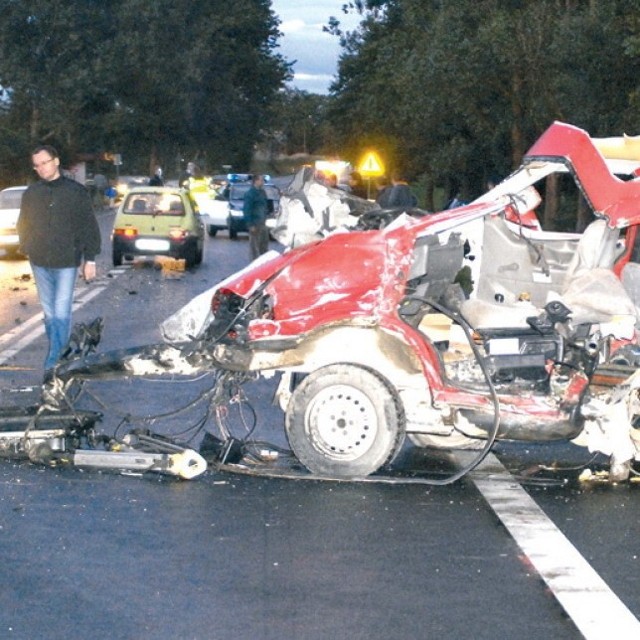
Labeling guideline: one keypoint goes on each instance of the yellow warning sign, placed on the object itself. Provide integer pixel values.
(371, 166)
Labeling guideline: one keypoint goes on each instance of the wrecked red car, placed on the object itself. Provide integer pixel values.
(451, 329)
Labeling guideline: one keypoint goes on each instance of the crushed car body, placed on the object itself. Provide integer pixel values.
(451, 329)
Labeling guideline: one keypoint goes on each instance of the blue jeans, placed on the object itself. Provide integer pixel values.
(55, 290)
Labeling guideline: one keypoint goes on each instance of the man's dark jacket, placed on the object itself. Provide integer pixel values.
(255, 207)
(57, 225)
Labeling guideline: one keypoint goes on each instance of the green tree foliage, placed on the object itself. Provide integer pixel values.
(154, 81)
(45, 59)
(300, 119)
(457, 91)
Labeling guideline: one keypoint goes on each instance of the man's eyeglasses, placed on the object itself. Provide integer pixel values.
(43, 163)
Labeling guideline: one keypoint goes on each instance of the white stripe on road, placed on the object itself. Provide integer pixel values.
(594, 608)
(23, 335)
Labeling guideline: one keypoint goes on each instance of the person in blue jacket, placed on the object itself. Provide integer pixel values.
(255, 210)
(400, 195)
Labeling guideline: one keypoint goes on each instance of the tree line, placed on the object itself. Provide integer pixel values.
(450, 93)
(157, 82)
(455, 92)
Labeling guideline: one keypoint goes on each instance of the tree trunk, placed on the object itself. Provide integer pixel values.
(34, 124)
(153, 160)
(517, 139)
(429, 191)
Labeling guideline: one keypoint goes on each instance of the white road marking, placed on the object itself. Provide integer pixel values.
(24, 334)
(585, 596)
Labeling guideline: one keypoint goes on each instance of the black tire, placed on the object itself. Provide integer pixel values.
(212, 231)
(233, 234)
(117, 257)
(199, 255)
(189, 253)
(344, 421)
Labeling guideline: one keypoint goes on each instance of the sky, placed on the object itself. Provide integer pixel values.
(303, 40)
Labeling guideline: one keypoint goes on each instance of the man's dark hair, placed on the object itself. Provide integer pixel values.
(48, 148)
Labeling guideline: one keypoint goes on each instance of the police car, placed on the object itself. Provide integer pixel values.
(226, 213)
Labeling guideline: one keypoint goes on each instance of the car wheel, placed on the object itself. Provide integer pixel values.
(233, 234)
(199, 254)
(117, 257)
(212, 231)
(344, 421)
(189, 253)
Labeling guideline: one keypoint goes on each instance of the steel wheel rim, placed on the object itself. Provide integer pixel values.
(342, 422)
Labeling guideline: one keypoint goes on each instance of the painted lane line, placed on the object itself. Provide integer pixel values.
(10, 352)
(88, 294)
(23, 335)
(23, 327)
(584, 595)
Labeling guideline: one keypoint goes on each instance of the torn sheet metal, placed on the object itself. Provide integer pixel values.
(189, 322)
(310, 211)
(610, 426)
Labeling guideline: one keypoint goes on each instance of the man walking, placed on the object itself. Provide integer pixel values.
(58, 232)
(255, 210)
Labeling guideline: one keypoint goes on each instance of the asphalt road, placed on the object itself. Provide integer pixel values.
(88, 554)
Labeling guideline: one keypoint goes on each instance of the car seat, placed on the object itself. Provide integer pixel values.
(589, 288)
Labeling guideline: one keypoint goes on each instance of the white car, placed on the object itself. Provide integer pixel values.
(10, 200)
(214, 207)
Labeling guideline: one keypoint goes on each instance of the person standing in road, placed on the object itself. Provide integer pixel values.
(357, 185)
(186, 175)
(59, 233)
(383, 190)
(156, 179)
(255, 210)
(400, 195)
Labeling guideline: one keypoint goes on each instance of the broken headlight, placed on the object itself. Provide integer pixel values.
(229, 319)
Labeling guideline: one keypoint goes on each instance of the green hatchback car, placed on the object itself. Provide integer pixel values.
(158, 221)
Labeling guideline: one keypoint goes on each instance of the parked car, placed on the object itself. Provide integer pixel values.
(10, 200)
(225, 212)
(158, 221)
(125, 183)
(216, 209)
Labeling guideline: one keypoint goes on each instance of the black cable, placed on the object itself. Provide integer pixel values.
(492, 391)
(159, 416)
(125, 420)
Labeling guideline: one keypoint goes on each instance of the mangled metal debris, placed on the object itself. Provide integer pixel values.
(452, 330)
(59, 438)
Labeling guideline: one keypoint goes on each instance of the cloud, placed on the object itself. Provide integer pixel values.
(315, 51)
(311, 83)
(293, 26)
